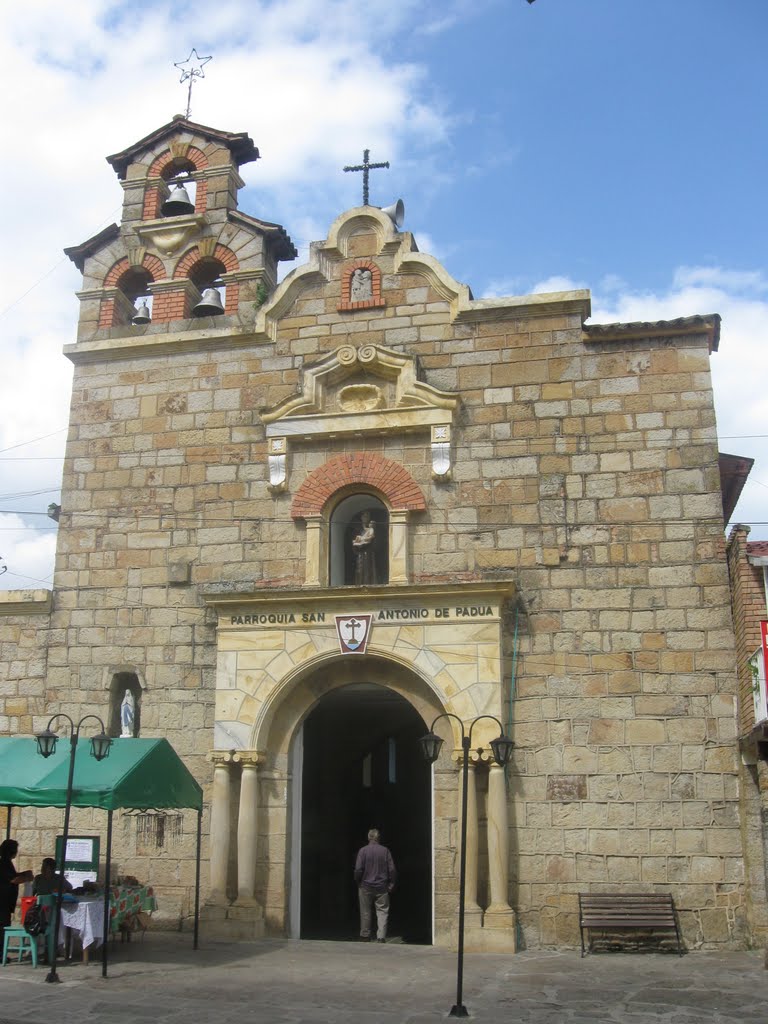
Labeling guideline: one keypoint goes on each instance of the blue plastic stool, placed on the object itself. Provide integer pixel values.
(25, 942)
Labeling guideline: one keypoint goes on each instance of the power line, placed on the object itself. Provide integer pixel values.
(34, 440)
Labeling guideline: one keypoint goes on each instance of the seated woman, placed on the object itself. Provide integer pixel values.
(47, 882)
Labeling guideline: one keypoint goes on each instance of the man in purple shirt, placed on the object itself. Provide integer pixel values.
(375, 876)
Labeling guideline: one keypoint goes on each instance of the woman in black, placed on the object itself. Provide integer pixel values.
(10, 880)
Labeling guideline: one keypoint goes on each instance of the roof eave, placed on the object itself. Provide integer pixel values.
(239, 144)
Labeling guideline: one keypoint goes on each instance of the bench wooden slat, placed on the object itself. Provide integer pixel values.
(627, 910)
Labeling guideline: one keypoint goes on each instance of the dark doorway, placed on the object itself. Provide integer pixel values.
(363, 769)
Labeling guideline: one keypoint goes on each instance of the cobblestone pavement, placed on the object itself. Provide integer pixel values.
(162, 979)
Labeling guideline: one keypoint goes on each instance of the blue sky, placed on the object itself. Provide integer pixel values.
(618, 145)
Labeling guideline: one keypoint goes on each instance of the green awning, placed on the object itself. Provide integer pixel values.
(137, 774)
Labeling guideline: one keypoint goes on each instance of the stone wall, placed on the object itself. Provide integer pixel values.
(584, 469)
(23, 655)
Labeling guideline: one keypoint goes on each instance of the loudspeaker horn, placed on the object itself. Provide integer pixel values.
(395, 212)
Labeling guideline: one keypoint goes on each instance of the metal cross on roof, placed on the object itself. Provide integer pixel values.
(365, 167)
(195, 70)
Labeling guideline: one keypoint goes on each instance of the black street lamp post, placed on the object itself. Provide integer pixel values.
(430, 748)
(46, 745)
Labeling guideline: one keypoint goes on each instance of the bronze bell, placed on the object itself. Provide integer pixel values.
(178, 202)
(142, 315)
(210, 304)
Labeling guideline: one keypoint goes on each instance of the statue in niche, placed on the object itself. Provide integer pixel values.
(128, 715)
(365, 554)
(361, 285)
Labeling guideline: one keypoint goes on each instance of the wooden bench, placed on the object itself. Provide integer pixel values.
(626, 910)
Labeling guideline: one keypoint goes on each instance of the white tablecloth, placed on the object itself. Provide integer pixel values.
(86, 918)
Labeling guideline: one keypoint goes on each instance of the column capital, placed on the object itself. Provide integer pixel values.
(249, 758)
(220, 757)
(473, 757)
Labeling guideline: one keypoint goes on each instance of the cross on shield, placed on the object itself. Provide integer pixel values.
(353, 632)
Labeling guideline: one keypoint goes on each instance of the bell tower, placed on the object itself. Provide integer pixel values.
(183, 252)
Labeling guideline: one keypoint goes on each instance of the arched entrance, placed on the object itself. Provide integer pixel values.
(362, 768)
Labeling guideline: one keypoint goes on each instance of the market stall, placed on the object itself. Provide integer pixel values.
(138, 775)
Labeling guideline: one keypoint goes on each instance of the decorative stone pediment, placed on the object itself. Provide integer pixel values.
(359, 391)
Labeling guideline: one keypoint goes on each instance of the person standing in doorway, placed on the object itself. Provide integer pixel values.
(375, 875)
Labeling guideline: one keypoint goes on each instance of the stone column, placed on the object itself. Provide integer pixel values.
(398, 547)
(499, 914)
(471, 906)
(247, 826)
(316, 568)
(220, 825)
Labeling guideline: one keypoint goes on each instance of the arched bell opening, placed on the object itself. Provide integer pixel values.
(182, 194)
(206, 276)
(360, 766)
(137, 308)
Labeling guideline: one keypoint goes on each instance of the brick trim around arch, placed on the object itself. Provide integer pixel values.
(109, 311)
(158, 169)
(366, 469)
(167, 159)
(375, 301)
(221, 253)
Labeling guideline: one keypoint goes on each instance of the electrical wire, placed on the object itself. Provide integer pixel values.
(43, 437)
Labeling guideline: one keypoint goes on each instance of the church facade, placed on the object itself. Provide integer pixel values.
(304, 522)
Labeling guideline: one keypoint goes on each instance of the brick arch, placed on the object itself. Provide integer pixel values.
(193, 256)
(163, 163)
(109, 315)
(116, 272)
(361, 469)
(346, 286)
(153, 266)
(229, 261)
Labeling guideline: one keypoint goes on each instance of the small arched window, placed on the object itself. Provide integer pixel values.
(359, 542)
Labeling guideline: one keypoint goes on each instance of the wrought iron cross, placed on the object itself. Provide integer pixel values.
(365, 167)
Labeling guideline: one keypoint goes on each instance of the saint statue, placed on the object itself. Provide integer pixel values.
(365, 555)
(361, 287)
(127, 715)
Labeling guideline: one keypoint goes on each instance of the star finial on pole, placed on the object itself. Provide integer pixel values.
(191, 72)
(366, 167)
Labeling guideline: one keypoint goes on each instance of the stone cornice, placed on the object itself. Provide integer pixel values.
(138, 341)
(577, 303)
(495, 592)
(25, 602)
(683, 326)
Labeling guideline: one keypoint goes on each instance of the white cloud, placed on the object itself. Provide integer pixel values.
(27, 553)
(752, 281)
(557, 283)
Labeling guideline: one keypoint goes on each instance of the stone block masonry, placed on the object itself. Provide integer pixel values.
(583, 476)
